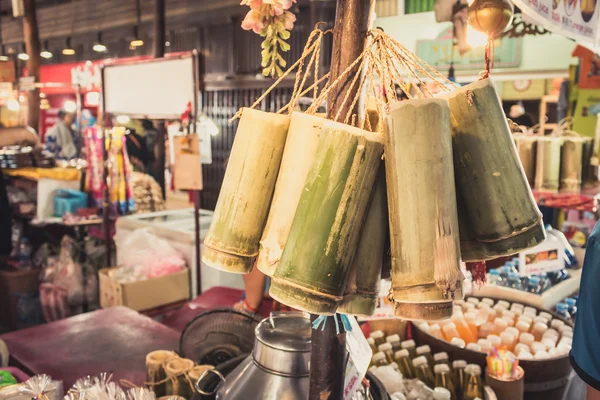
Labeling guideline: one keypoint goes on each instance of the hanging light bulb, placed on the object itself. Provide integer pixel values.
(23, 54)
(45, 53)
(99, 46)
(68, 50)
(137, 40)
(490, 16)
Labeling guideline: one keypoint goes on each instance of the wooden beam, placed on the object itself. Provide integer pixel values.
(31, 36)
(328, 356)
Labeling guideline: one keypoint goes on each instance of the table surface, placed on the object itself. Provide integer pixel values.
(114, 340)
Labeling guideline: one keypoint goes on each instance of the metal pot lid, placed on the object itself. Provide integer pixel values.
(282, 344)
(287, 331)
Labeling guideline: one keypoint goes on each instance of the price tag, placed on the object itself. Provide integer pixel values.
(358, 361)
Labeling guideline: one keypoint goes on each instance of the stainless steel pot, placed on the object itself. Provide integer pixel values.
(279, 365)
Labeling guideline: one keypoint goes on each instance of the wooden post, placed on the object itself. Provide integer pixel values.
(31, 36)
(328, 357)
(159, 28)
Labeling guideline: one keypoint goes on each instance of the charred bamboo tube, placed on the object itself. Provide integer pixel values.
(362, 289)
(570, 165)
(300, 149)
(315, 263)
(489, 175)
(232, 241)
(547, 170)
(526, 146)
(422, 206)
(587, 174)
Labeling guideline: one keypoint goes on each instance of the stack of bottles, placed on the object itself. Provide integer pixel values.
(446, 380)
(567, 309)
(482, 325)
(508, 276)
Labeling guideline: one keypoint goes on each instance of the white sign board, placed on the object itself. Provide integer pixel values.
(577, 19)
(158, 88)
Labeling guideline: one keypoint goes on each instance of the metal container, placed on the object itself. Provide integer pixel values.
(278, 366)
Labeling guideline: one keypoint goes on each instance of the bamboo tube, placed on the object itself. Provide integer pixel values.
(315, 263)
(422, 205)
(547, 170)
(155, 370)
(179, 384)
(587, 174)
(232, 241)
(171, 398)
(300, 149)
(526, 146)
(489, 176)
(570, 165)
(362, 289)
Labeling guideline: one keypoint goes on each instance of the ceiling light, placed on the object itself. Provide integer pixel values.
(23, 54)
(45, 53)
(99, 46)
(68, 50)
(137, 40)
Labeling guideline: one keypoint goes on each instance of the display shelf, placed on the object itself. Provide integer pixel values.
(546, 300)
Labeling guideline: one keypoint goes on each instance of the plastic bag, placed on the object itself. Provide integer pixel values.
(154, 256)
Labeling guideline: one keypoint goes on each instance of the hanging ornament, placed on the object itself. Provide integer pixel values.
(491, 17)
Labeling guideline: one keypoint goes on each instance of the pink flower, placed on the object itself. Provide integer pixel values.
(254, 4)
(287, 19)
(253, 21)
(279, 6)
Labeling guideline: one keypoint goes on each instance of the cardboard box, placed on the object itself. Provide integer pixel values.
(144, 295)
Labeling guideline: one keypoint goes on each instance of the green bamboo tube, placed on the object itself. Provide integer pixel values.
(232, 241)
(489, 175)
(547, 170)
(423, 219)
(300, 150)
(179, 383)
(362, 289)
(571, 158)
(315, 263)
(526, 147)
(155, 370)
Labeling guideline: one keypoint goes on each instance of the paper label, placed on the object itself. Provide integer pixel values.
(358, 361)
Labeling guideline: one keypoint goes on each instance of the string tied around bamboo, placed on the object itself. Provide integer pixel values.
(312, 52)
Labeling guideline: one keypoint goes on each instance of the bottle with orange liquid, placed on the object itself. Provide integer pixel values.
(463, 329)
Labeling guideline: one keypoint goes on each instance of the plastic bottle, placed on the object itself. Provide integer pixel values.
(450, 331)
(473, 347)
(538, 330)
(499, 326)
(527, 338)
(514, 281)
(379, 359)
(562, 309)
(458, 368)
(533, 285)
(463, 329)
(547, 316)
(522, 326)
(443, 379)
(556, 324)
(495, 341)
(572, 303)
(394, 340)
(486, 300)
(531, 311)
(410, 345)
(536, 347)
(494, 278)
(545, 282)
(486, 329)
(504, 271)
(386, 349)
(485, 345)
(508, 340)
(24, 254)
(436, 331)
(473, 322)
(473, 387)
(379, 337)
(525, 355)
(402, 358)
(458, 342)
(519, 347)
(423, 371)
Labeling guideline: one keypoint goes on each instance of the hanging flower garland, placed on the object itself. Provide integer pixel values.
(271, 20)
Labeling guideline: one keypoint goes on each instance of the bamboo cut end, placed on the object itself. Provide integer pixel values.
(311, 302)
(233, 263)
(433, 311)
(370, 136)
(360, 305)
(419, 102)
(268, 260)
(480, 84)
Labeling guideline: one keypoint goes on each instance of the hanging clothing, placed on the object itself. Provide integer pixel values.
(61, 141)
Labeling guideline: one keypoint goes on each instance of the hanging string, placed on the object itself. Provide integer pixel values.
(321, 322)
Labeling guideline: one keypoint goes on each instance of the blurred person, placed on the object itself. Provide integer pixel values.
(60, 139)
(11, 137)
